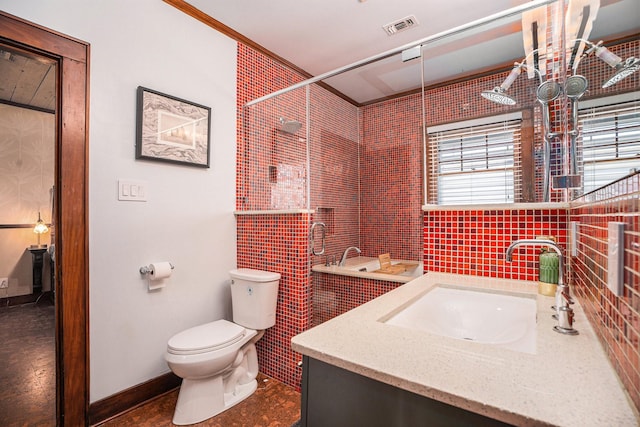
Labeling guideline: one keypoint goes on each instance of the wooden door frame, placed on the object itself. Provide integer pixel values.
(71, 216)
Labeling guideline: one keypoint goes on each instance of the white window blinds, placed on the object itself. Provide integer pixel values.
(610, 142)
(476, 164)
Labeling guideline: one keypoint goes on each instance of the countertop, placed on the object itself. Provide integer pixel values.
(568, 382)
(352, 264)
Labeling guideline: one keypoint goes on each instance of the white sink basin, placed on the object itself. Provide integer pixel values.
(480, 316)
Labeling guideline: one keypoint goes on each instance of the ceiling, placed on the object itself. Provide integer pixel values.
(27, 79)
(319, 37)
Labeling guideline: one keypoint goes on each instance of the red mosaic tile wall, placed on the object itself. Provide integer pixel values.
(616, 320)
(334, 154)
(279, 243)
(334, 294)
(474, 242)
(256, 127)
(272, 173)
(389, 159)
(271, 242)
(391, 177)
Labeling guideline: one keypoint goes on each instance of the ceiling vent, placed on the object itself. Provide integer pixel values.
(401, 25)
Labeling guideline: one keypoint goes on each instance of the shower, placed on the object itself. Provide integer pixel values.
(547, 92)
(498, 94)
(290, 126)
(622, 68)
(575, 86)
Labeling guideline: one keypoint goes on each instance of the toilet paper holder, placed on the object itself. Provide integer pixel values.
(145, 269)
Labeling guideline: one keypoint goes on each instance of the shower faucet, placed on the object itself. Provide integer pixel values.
(564, 313)
(346, 252)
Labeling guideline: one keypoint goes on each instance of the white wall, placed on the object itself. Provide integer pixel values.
(188, 218)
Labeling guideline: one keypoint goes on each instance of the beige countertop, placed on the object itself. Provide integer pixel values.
(352, 264)
(568, 382)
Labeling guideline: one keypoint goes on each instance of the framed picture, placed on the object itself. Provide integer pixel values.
(170, 129)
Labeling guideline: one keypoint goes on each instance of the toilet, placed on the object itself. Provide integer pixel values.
(217, 361)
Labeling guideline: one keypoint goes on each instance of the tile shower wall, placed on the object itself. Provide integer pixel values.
(271, 242)
(334, 170)
(279, 243)
(474, 242)
(391, 177)
(616, 320)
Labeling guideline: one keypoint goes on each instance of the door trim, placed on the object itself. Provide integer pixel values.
(71, 216)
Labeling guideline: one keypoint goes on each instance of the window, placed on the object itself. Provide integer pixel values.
(609, 139)
(475, 162)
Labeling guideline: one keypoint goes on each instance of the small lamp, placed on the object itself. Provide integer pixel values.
(40, 228)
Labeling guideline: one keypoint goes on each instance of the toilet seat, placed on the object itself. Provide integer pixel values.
(205, 338)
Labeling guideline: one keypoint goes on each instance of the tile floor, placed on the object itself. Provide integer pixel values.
(274, 404)
(27, 371)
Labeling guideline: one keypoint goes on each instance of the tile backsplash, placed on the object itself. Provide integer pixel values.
(474, 242)
(616, 320)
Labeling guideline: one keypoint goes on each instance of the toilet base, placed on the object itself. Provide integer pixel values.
(199, 400)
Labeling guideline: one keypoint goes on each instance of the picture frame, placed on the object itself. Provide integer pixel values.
(171, 129)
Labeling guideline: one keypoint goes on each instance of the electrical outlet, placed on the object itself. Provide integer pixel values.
(4, 282)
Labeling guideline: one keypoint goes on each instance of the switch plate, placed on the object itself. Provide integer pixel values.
(132, 191)
(615, 267)
(573, 237)
(4, 282)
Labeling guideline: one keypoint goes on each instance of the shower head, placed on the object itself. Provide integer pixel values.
(290, 126)
(575, 86)
(497, 95)
(624, 69)
(548, 91)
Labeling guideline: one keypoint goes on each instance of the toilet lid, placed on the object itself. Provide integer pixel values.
(207, 337)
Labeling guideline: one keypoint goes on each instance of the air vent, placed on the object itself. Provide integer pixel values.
(401, 25)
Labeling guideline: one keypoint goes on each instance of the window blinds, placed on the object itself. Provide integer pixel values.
(609, 141)
(476, 164)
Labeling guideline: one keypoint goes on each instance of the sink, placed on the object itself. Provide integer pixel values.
(501, 319)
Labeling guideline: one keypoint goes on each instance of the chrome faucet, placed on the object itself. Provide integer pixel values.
(564, 313)
(346, 252)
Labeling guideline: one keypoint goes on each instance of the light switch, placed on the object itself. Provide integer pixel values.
(132, 191)
(573, 237)
(615, 267)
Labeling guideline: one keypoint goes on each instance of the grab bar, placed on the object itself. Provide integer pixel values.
(313, 237)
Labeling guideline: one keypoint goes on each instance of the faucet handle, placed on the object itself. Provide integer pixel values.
(567, 297)
(565, 321)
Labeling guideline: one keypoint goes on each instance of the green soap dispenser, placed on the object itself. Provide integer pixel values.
(549, 267)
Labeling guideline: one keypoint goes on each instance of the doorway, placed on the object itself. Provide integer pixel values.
(27, 295)
(70, 216)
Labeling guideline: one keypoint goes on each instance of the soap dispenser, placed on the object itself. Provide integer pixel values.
(548, 269)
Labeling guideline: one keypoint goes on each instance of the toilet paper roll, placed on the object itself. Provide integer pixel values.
(159, 270)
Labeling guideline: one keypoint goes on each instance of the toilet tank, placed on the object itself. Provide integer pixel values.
(254, 295)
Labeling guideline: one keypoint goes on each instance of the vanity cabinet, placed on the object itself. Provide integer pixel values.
(332, 396)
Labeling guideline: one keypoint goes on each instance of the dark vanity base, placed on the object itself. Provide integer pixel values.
(335, 397)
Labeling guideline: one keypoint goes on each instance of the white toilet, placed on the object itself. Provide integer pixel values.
(217, 361)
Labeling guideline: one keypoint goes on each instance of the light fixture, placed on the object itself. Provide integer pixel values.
(40, 228)
(622, 68)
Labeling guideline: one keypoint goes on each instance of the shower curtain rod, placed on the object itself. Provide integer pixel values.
(473, 24)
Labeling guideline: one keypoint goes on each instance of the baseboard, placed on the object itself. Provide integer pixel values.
(109, 407)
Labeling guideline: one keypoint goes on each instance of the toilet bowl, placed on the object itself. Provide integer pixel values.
(217, 361)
